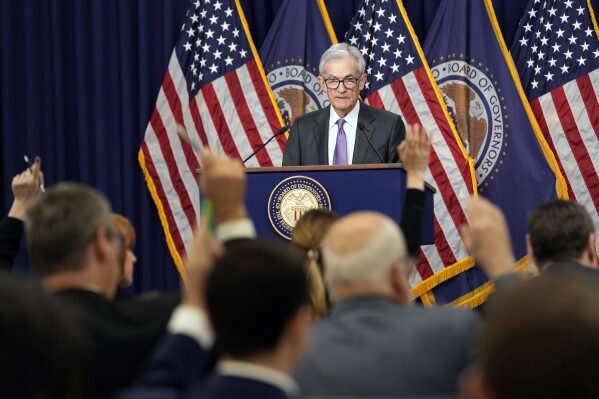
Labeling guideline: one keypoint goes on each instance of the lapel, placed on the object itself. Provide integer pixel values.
(361, 146)
(320, 130)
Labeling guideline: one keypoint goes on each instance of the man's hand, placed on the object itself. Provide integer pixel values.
(414, 153)
(201, 259)
(26, 189)
(223, 183)
(487, 238)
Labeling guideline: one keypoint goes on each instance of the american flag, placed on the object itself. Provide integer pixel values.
(400, 81)
(216, 91)
(556, 52)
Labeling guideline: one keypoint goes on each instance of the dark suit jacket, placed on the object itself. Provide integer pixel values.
(123, 334)
(309, 138)
(371, 346)
(11, 231)
(178, 369)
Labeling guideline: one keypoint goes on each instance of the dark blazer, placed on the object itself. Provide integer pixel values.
(178, 369)
(371, 346)
(122, 333)
(309, 137)
(11, 232)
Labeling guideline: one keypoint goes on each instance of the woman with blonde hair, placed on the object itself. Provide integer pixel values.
(306, 239)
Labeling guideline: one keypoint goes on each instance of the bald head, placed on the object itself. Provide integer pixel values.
(361, 250)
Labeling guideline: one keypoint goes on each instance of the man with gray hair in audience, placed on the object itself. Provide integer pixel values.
(348, 131)
(75, 248)
(374, 342)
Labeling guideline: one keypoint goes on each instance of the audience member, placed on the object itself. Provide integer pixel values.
(311, 228)
(306, 239)
(560, 240)
(42, 350)
(26, 189)
(561, 235)
(256, 299)
(75, 248)
(373, 343)
(540, 342)
(127, 258)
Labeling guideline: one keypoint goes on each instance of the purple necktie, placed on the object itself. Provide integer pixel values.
(340, 154)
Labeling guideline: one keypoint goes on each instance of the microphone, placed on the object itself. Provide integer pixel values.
(362, 129)
(278, 133)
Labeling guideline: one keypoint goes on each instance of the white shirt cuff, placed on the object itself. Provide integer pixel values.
(235, 229)
(193, 322)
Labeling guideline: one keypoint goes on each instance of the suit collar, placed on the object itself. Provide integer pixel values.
(250, 371)
(320, 130)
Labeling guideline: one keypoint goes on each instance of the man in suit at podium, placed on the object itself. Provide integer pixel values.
(347, 131)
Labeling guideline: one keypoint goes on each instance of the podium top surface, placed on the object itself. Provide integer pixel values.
(313, 168)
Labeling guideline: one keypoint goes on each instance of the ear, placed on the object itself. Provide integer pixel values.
(399, 283)
(362, 81)
(529, 253)
(297, 330)
(321, 81)
(473, 385)
(102, 245)
(591, 251)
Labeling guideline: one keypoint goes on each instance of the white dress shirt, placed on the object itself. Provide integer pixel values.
(350, 127)
(260, 373)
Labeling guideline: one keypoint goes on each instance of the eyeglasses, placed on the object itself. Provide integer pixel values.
(348, 83)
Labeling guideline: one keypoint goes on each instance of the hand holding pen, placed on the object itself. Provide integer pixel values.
(27, 186)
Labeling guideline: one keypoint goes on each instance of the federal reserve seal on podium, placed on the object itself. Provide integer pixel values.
(293, 197)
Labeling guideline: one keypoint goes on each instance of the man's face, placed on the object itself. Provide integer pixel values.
(342, 99)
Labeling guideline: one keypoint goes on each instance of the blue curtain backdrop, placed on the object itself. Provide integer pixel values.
(78, 82)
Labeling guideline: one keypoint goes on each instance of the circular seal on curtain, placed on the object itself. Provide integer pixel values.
(293, 197)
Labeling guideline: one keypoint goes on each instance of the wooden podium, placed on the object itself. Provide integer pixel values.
(347, 189)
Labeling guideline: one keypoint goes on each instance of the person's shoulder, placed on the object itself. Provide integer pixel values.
(451, 317)
(149, 304)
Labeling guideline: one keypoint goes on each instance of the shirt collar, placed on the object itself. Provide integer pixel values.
(259, 373)
(351, 118)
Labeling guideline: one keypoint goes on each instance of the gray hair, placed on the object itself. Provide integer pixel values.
(339, 51)
(61, 224)
(372, 262)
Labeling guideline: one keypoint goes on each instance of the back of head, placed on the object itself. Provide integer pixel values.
(542, 340)
(559, 230)
(62, 223)
(362, 248)
(339, 51)
(306, 239)
(41, 347)
(252, 293)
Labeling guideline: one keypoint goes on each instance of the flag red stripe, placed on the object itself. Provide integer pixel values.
(265, 101)
(449, 197)
(438, 173)
(245, 116)
(423, 266)
(197, 121)
(577, 146)
(173, 170)
(374, 99)
(589, 97)
(173, 230)
(537, 110)
(440, 119)
(219, 121)
(174, 103)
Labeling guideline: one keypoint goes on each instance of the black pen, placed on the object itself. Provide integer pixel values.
(30, 165)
